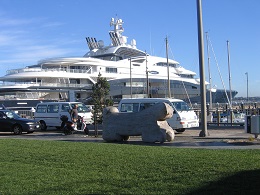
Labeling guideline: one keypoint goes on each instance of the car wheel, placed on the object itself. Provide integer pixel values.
(180, 130)
(17, 129)
(43, 126)
(125, 137)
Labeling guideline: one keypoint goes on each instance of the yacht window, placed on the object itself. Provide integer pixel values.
(186, 75)
(116, 58)
(75, 67)
(165, 64)
(138, 60)
(108, 58)
(74, 81)
(111, 70)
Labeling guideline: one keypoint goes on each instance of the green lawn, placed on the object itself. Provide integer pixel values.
(62, 167)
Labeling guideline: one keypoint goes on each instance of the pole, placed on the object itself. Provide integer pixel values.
(147, 79)
(203, 132)
(131, 78)
(229, 73)
(168, 69)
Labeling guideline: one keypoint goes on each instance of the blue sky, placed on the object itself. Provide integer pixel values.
(31, 30)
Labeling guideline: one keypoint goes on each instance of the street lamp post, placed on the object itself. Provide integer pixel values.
(204, 131)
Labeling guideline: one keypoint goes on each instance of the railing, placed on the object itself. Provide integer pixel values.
(66, 85)
(16, 71)
(228, 117)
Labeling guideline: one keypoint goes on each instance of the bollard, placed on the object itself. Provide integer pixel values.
(218, 117)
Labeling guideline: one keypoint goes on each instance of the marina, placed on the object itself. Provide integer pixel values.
(129, 71)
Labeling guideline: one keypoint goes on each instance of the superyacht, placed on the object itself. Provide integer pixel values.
(71, 78)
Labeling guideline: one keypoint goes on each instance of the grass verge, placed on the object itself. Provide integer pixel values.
(56, 167)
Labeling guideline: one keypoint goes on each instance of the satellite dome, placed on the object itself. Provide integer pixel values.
(101, 43)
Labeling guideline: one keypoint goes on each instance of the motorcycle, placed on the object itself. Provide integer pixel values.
(69, 127)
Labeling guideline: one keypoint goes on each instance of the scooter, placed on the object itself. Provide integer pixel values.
(69, 127)
(81, 125)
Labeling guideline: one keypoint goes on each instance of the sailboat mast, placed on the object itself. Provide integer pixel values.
(210, 84)
(168, 69)
(147, 79)
(229, 73)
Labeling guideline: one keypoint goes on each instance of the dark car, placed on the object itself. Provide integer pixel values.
(12, 122)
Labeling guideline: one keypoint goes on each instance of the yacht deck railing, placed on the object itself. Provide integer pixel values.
(22, 70)
(58, 85)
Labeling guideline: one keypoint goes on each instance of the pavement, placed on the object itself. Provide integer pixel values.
(218, 137)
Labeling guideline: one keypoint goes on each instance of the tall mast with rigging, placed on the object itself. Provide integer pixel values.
(210, 83)
(168, 69)
(229, 75)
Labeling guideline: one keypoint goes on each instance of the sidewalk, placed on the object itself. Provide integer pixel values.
(218, 137)
(224, 137)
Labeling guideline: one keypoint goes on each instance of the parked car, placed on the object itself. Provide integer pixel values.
(12, 122)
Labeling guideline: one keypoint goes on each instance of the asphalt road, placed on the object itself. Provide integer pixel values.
(224, 137)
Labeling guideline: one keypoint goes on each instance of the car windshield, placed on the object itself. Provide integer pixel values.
(181, 106)
(11, 114)
(82, 108)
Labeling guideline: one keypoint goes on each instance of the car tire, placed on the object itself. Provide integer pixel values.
(17, 129)
(43, 126)
(180, 130)
(125, 137)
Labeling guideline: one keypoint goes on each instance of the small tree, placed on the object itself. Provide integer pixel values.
(100, 90)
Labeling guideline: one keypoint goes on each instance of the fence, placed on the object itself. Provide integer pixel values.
(224, 116)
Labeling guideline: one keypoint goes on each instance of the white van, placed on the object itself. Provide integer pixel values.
(183, 116)
(49, 113)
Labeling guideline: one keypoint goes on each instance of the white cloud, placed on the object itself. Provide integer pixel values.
(14, 22)
(24, 42)
(52, 24)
